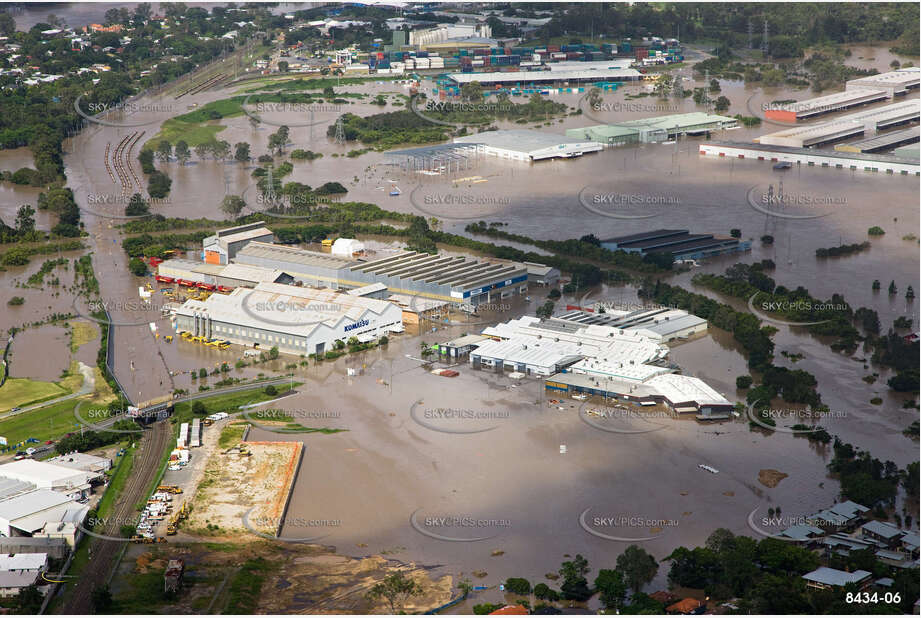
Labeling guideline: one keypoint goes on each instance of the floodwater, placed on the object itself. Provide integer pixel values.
(13, 196)
(26, 363)
(364, 485)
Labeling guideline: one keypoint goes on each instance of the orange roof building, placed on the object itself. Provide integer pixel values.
(686, 606)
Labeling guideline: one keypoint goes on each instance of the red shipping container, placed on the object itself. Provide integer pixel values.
(553, 48)
(380, 55)
(641, 52)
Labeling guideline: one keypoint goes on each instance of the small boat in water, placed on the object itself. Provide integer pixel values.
(708, 468)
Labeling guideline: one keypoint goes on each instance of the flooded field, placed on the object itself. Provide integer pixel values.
(13, 196)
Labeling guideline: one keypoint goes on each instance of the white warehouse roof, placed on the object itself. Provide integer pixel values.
(45, 475)
(535, 144)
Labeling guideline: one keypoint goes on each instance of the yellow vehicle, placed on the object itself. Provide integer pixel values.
(223, 345)
(328, 242)
(170, 530)
(186, 335)
(207, 422)
(198, 339)
(213, 343)
(169, 338)
(170, 489)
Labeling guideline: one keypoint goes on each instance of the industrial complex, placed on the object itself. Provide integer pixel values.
(658, 129)
(857, 92)
(621, 358)
(864, 123)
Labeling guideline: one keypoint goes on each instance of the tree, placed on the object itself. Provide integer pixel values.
(164, 151)
(545, 310)
(638, 567)
(518, 585)
(241, 152)
(25, 220)
(472, 91)
(137, 267)
(743, 382)
(283, 66)
(270, 390)
(735, 232)
(610, 584)
(893, 288)
(202, 150)
(396, 589)
(220, 149)
(546, 593)
(465, 587)
(575, 586)
(182, 152)
(137, 206)
(721, 104)
(199, 408)
(7, 24)
(30, 599)
(273, 352)
(232, 205)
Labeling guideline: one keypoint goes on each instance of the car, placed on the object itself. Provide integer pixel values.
(49, 442)
(783, 165)
(30, 451)
(16, 409)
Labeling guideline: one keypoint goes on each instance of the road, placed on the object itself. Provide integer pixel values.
(102, 552)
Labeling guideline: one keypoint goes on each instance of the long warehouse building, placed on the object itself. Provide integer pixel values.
(522, 145)
(884, 141)
(811, 157)
(866, 123)
(296, 320)
(894, 82)
(839, 101)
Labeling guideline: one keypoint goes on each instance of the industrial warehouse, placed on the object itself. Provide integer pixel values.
(658, 129)
(522, 145)
(303, 302)
(811, 157)
(680, 244)
(580, 353)
(864, 123)
(857, 92)
(569, 73)
(295, 320)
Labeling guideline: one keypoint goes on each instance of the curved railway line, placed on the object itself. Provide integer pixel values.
(121, 163)
(103, 553)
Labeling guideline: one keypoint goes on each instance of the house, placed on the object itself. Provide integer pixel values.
(687, 606)
(803, 534)
(883, 533)
(824, 578)
(664, 597)
(839, 516)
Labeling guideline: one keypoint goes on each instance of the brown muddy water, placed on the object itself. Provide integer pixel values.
(364, 485)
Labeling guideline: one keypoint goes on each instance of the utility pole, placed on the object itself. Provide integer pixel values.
(764, 40)
(751, 34)
(340, 132)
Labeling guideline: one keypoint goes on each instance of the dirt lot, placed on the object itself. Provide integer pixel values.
(235, 486)
(295, 578)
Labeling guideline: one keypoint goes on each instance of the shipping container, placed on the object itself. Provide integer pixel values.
(553, 48)
(641, 52)
(422, 54)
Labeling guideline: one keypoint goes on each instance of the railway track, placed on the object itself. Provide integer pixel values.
(102, 552)
(208, 83)
(109, 167)
(128, 157)
(121, 161)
